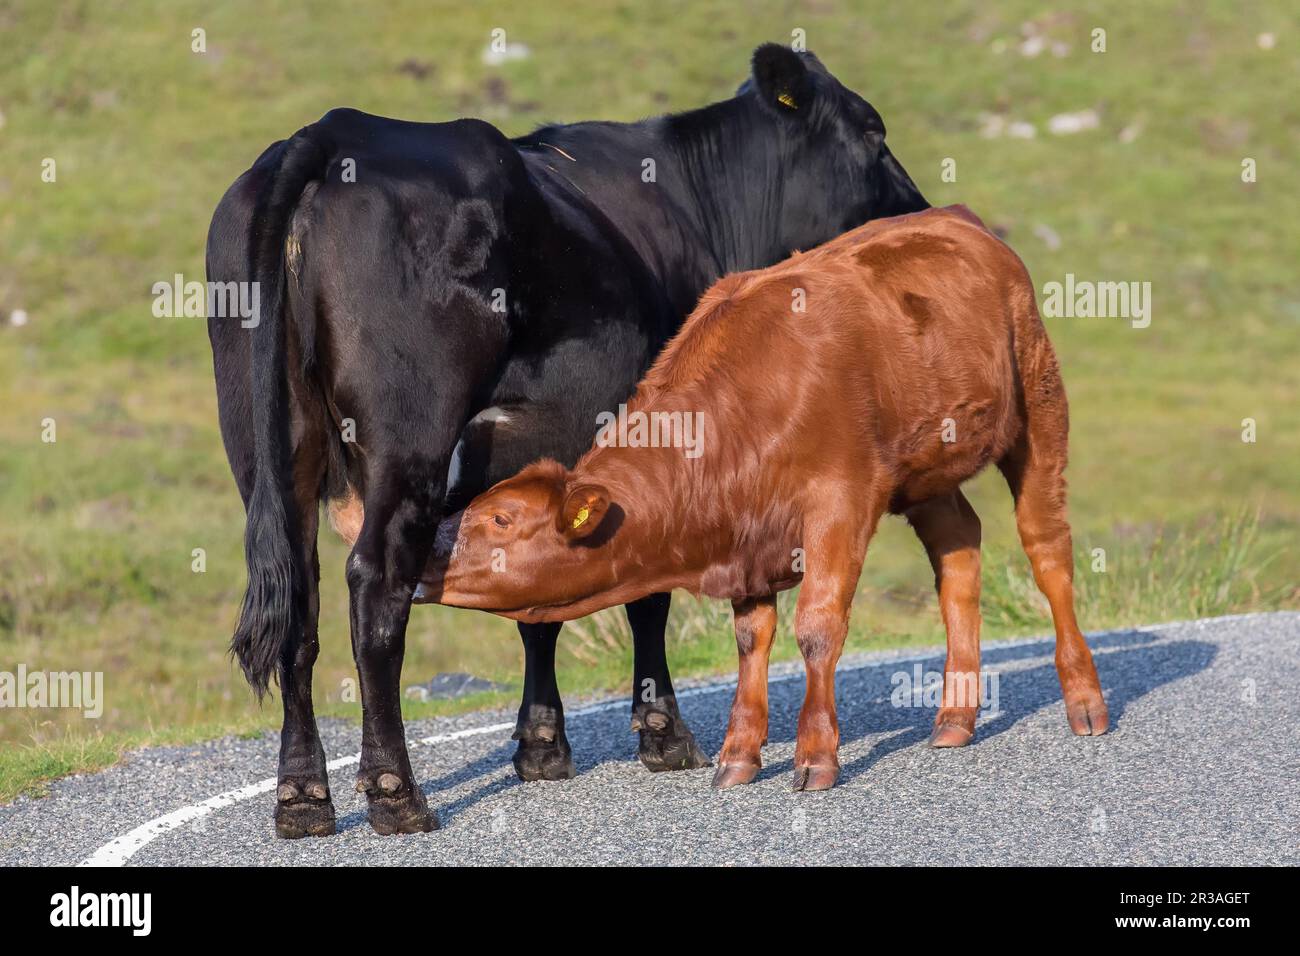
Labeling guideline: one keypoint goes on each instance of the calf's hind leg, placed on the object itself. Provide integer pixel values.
(1035, 473)
(950, 531)
(740, 759)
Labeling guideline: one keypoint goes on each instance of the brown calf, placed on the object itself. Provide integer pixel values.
(919, 359)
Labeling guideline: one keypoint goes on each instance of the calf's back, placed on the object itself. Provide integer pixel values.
(892, 357)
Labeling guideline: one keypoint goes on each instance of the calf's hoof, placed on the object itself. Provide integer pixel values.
(815, 778)
(950, 735)
(734, 775)
(303, 809)
(395, 805)
(543, 752)
(666, 742)
(953, 727)
(1087, 713)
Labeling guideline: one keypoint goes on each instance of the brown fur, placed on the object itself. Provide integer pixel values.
(817, 423)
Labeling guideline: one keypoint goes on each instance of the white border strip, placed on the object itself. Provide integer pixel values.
(120, 850)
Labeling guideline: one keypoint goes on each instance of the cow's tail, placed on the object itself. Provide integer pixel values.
(270, 620)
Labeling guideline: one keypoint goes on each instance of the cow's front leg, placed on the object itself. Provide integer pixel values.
(543, 752)
(666, 742)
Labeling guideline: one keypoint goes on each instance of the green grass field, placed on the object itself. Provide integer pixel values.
(97, 529)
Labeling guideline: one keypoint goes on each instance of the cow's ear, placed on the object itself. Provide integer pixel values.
(583, 509)
(782, 79)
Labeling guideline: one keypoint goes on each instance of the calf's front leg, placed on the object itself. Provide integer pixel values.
(834, 549)
(740, 759)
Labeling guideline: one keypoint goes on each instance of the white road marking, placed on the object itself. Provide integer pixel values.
(121, 849)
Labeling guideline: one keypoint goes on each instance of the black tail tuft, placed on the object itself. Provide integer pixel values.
(270, 621)
(270, 616)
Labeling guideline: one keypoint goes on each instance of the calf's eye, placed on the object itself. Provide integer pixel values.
(501, 520)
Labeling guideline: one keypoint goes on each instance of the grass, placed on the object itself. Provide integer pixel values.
(98, 529)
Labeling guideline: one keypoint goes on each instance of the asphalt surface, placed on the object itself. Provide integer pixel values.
(1201, 766)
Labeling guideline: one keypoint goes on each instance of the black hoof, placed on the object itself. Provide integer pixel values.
(395, 805)
(666, 742)
(303, 810)
(543, 752)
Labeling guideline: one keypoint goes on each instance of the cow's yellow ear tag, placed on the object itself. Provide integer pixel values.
(583, 514)
(788, 100)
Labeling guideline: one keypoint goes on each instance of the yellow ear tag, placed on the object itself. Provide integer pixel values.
(788, 100)
(583, 514)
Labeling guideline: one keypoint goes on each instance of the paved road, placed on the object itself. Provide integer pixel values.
(1202, 766)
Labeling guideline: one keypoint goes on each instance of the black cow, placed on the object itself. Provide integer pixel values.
(441, 305)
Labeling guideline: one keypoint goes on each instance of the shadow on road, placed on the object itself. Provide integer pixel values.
(495, 762)
(1131, 664)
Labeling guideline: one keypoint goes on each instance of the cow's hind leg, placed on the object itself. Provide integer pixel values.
(1034, 470)
(403, 503)
(543, 752)
(950, 531)
(666, 742)
(303, 806)
(740, 758)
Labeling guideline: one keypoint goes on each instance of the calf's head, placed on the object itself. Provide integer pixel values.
(536, 547)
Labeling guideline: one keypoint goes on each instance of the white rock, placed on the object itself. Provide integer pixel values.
(18, 317)
(1033, 46)
(1266, 41)
(1064, 124)
(991, 125)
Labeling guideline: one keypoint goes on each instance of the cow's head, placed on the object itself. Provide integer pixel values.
(535, 547)
(832, 167)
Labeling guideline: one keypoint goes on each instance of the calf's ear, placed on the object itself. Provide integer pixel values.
(782, 79)
(583, 509)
